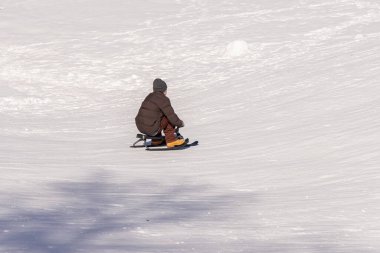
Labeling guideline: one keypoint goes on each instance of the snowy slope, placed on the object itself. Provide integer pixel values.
(288, 126)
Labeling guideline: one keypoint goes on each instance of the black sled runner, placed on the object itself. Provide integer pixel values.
(147, 143)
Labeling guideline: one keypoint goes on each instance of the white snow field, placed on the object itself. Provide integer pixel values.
(283, 96)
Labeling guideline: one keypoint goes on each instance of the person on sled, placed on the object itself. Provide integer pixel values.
(156, 115)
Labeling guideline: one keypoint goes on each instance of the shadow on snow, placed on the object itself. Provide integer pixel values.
(143, 216)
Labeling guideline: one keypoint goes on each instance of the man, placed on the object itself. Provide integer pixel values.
(156, 115)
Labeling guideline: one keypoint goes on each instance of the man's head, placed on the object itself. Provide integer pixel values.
(159, 85)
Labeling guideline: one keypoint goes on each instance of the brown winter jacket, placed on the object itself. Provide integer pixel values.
(155, 106)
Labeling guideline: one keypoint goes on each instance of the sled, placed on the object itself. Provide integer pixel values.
(145, 141)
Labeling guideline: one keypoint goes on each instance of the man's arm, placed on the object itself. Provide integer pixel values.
(168, 110)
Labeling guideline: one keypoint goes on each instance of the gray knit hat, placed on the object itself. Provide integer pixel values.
(159, 85)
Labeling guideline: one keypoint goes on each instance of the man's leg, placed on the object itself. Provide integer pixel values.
(159, 141)
(168, 129)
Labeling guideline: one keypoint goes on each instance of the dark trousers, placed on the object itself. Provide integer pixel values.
(169, 130)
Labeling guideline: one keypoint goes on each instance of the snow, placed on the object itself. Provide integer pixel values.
(237, 48)
(283, 97)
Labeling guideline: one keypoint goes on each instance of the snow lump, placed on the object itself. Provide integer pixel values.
(237, 48)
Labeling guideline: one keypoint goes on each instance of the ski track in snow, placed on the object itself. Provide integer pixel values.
(289, 132)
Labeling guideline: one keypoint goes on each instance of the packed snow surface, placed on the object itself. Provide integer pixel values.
(287, 116)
